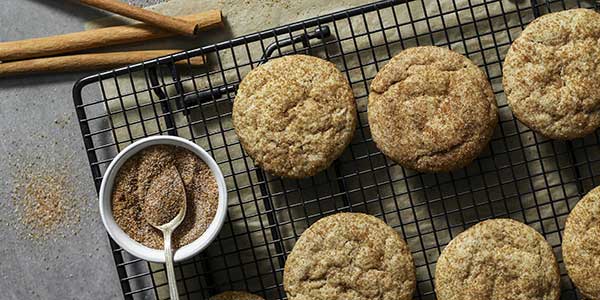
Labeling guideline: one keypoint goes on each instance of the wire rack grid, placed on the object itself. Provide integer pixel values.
(521, 175)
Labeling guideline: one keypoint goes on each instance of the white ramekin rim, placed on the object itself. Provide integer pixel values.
(132, 246)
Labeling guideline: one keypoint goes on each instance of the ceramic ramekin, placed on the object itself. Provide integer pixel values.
(132, 246)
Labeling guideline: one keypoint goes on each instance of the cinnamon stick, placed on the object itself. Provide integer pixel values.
(86, 62)
(149, 17)
(109, 36)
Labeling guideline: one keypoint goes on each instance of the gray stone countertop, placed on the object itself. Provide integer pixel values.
(38, 128)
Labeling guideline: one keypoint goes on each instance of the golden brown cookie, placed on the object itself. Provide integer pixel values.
(497, 259)
(350, 256)
(431, 109)
(551, 74)
(581, 245)
(295, 115)
(236, 295)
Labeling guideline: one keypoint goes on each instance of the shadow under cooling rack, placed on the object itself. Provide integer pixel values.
(520, 175)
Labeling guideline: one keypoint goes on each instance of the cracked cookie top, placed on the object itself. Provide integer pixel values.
(235, 295)
(349, 256)
(431, 109)
(581, 244)
(497, 259)
(294, 115)
(552, 74)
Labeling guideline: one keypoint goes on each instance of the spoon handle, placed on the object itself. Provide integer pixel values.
(170, 271)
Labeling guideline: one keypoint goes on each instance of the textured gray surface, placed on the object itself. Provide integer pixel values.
(37, 119)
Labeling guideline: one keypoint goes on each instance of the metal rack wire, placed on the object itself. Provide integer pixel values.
(521, 175)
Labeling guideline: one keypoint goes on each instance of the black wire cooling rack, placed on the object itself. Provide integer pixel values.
(521, 175)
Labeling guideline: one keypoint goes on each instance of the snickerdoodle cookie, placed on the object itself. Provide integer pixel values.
(581, 245)
(295, 115)
(431, 109)
(551, 74)
(236, 295)
(350, 256)
(497, 259)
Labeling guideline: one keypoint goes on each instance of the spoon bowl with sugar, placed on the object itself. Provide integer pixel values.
(165, 208)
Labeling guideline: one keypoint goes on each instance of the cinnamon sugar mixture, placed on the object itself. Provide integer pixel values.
(133, 182)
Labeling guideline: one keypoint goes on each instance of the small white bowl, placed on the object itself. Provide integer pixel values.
(132, 246)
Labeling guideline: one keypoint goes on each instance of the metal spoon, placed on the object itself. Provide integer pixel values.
(164, 208)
